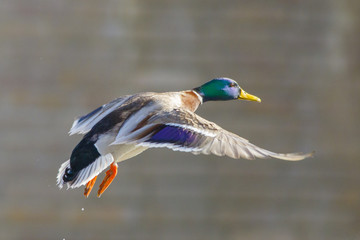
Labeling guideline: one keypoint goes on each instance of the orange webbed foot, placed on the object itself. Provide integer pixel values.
(110, 175)
(89, 186)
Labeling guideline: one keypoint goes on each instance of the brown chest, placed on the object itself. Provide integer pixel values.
(190, 100)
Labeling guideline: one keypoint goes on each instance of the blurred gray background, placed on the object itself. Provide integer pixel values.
(60, 59)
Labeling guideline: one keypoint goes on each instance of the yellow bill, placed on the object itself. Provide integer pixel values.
(246, 96)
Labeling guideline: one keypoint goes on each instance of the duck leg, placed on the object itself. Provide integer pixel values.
(110, 175)
(89, 186)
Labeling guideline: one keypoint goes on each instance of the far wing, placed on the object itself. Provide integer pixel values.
(83, 124)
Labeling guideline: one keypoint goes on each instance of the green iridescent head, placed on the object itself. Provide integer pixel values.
(222, 89)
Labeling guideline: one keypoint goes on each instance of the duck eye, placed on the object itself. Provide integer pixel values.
(232, 85)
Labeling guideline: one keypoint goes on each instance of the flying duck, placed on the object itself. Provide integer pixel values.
(129, 125)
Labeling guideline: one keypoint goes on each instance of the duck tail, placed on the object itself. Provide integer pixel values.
(75, 179)
(63, 174)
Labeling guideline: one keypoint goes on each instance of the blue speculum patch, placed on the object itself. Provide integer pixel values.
(175, 135)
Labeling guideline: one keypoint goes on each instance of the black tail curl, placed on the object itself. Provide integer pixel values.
(82, 156)
(69, 175)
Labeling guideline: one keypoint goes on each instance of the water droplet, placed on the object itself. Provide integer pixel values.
(82, 209)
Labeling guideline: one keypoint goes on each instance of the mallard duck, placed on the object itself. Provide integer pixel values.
(131, 124)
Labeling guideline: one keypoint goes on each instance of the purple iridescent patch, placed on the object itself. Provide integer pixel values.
(175, 135)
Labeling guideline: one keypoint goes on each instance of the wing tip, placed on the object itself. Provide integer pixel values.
(72, 130)
(293, 156)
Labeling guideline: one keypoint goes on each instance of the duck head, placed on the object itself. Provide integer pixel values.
(222, 89)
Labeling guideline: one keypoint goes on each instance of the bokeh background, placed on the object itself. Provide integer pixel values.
(60, 59)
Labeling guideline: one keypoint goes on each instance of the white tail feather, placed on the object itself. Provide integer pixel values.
(86, 174)
(60, 181)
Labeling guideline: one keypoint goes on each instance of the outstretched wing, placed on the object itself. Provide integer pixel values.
(182, 130)
(83, 124)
